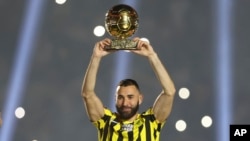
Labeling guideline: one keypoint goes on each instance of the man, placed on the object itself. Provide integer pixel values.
(127, 124)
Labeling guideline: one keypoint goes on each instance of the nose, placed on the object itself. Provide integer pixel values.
(125, 102)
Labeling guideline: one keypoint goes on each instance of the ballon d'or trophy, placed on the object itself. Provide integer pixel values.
(121, 22)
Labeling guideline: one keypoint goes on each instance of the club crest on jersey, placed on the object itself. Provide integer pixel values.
(127, 127)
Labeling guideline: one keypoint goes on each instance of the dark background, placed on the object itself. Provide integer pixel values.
(182, 32)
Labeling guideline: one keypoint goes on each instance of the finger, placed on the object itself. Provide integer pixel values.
(136, 39)
(107, 40)
(140, 44)
(100, 44)
(144, 44)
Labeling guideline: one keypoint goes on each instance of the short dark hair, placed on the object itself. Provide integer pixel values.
(129, 82)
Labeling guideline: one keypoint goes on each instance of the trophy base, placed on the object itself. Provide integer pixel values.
(122, 44)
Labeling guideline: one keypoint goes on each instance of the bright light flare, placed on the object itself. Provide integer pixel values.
(206, 121)
(99, 31)
(60, 1)
(20, 112)
(184, 93)
(180, 125)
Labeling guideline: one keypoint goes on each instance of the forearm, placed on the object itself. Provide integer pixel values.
(89, 80)
(162, 74)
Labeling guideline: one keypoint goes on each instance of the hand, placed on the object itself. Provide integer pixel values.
(99, 49)
(144, 48)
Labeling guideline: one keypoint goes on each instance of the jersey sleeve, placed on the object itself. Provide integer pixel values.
(149, 115)
(100, 124)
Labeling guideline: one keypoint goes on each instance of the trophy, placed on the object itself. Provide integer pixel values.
(121, 22)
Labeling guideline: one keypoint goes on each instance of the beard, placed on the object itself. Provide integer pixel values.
(127, 114)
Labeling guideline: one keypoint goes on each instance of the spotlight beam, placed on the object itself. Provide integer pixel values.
(21, 66)
(122, 62)
(223, 70)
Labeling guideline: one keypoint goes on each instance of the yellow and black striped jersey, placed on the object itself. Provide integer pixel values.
(144, 128)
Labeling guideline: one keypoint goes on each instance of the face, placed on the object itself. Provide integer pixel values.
(128, 99)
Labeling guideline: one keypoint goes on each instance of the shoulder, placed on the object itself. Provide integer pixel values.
(149, 115)
(108, 114)
(148, 112)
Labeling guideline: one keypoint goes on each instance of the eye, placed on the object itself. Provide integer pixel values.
(130, 96)
(119, 97)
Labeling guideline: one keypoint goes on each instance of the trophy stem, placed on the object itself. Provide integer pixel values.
(122, 44)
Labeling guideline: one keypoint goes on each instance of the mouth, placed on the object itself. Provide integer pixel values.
(126, 109)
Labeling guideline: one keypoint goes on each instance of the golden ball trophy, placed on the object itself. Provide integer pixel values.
(121, 22)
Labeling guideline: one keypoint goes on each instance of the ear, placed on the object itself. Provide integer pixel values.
(140, 98)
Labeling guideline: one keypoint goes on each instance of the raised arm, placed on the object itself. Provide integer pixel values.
(163, 104)
(93, 104)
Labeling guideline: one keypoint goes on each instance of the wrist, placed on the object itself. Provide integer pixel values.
(152, 55)
(96, 55)
(96, 58)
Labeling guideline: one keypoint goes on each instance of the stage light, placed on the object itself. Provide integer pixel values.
(99, 31)
(20, 112)
(184, 93)
(206, 121)
(180, 125)
(60, 1)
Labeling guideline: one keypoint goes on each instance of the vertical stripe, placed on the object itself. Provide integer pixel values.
(106, 128)
(159, 127)
(120, 138)
(139, 134)
(100, 131)
(124, 135)
(148, 131)
(111, 132)
(157, 130)
(105, 133)
(130, 136)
